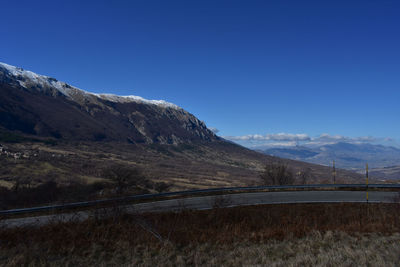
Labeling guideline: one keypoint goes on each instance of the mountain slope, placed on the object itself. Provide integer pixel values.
(93, 132)
(391, 173)
(42, 106)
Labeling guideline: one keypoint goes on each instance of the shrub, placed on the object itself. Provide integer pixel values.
(161, 187)
(124, 177)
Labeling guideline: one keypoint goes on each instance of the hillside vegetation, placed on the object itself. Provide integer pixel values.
(81, 168)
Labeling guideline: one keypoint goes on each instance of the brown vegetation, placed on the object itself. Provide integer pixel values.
(253, 234)
(277, 174)
(125, 177)
(123, 182)
(22, 195)
(194, 166)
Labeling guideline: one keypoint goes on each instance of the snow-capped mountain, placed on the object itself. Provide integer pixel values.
(27, 79)
(40, 105)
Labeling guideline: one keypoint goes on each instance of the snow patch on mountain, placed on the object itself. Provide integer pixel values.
(137, 99)
(26, 78)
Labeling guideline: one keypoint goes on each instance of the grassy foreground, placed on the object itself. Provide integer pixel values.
(274, 235)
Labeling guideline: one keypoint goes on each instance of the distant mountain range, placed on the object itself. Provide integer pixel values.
(346, 155)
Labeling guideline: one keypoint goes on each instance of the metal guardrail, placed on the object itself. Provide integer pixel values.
(190, 192)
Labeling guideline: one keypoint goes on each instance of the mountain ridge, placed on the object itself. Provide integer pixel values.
(34, 104)
(25, 78)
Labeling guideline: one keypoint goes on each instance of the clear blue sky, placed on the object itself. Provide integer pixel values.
(244, 67)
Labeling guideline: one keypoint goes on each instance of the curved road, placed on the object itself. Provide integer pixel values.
(209, 202)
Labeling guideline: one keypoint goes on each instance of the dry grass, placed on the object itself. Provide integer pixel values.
(280, 235)
(316, 249)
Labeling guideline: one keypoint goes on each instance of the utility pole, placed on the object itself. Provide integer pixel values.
(366, 174)
(334, 173)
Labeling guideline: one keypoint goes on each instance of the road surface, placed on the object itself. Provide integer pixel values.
(209, 202)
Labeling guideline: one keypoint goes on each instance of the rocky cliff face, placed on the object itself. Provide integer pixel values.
(43, 106)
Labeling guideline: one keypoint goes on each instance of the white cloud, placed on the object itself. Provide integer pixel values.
(270, 137)
(214, 130)
(278, 144)
(289, 139)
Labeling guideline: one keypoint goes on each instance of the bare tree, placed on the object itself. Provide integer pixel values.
(124, 177)
(277, 174)
(304, 176)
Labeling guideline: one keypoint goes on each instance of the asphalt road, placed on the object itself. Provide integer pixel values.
(209, 202)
